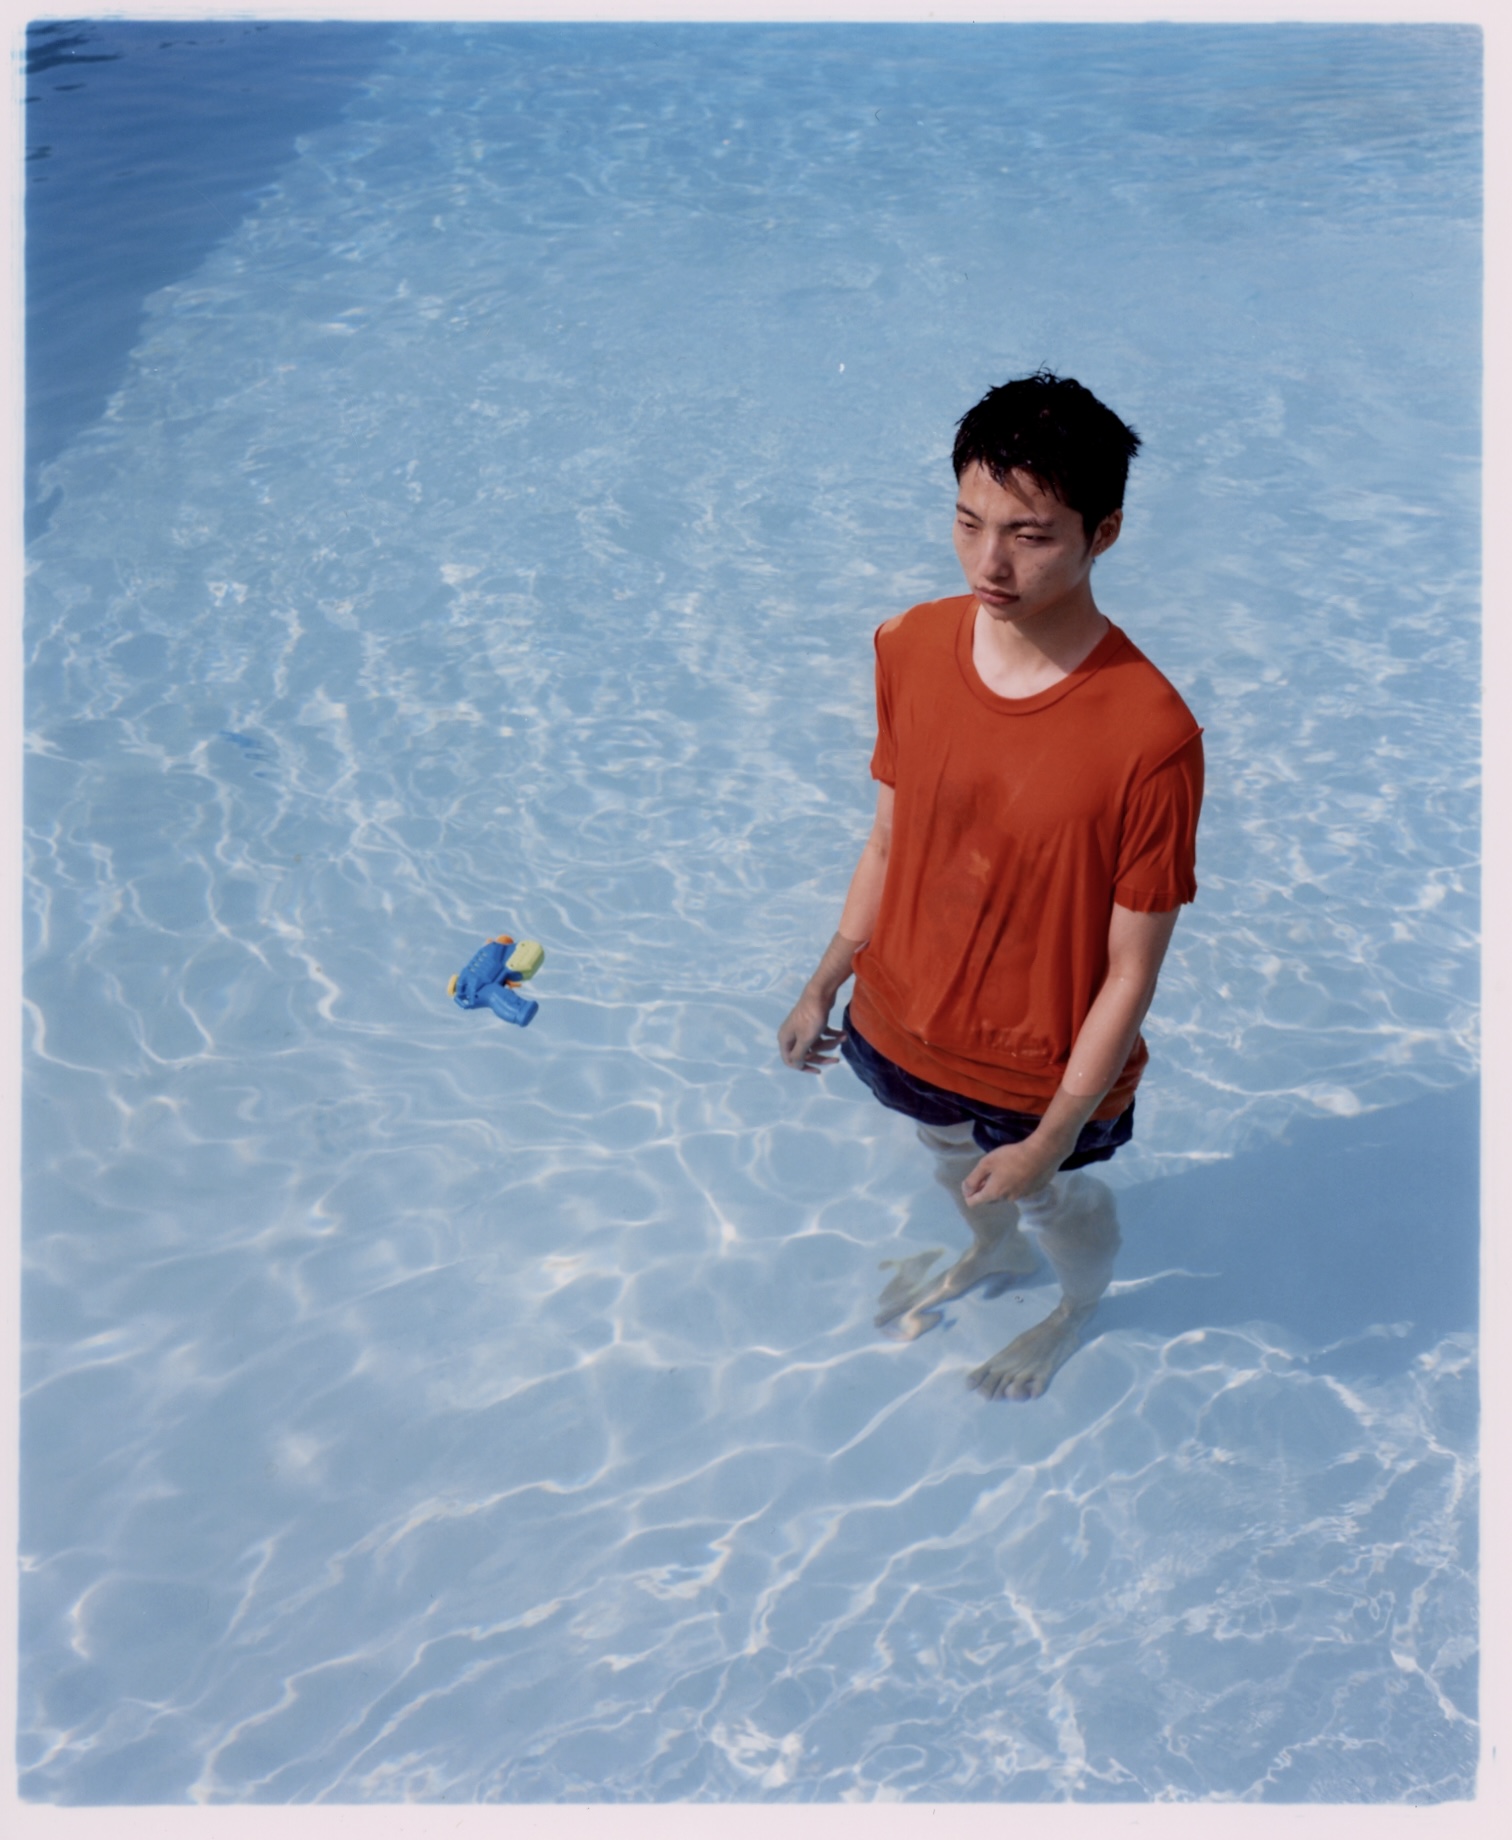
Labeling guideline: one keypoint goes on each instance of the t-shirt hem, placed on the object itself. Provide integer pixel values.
(1017, 1090)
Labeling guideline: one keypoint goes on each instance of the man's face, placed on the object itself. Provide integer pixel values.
(1023, 552)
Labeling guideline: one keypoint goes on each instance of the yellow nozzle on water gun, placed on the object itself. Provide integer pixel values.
(526, 959)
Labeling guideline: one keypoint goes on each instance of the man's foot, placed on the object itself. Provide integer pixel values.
(1022, 1370)
(913, 1303)
(906, 1285)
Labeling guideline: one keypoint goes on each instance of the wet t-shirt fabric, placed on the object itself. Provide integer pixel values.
(1018, 823)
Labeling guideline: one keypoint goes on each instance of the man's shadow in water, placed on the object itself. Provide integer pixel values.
(1343, 1226)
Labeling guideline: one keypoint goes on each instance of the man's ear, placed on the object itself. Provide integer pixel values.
(1106, 534)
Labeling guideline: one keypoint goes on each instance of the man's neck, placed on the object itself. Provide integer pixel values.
(1019, 660)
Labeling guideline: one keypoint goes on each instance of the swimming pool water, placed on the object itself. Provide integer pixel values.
(486, 533)
(147, 141)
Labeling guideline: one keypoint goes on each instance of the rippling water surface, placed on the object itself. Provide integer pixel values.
(487, 534)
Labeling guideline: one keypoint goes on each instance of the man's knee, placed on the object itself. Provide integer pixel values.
(1076, 1219)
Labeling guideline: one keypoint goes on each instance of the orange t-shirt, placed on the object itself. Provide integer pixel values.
(1017, 825)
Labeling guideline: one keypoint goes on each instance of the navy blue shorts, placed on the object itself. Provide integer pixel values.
(991, 1125)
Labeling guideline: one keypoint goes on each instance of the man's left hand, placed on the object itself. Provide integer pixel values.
(1014, 1170)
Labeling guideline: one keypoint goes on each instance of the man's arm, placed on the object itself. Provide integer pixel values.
(1136, 949)
(806, 1039)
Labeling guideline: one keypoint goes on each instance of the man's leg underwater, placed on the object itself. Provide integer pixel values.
(1076, 1223)
(999, 1251)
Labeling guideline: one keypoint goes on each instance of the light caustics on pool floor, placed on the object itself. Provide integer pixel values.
(488, 535)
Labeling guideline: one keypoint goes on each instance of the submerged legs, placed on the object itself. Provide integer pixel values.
(999, 1251)
(1075, 1221)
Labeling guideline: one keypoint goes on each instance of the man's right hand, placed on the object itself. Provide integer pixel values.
(806, 1039)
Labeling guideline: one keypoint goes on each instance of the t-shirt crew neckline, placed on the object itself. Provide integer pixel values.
(1026, 705)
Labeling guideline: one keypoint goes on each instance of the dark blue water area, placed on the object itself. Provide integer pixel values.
(147, 141)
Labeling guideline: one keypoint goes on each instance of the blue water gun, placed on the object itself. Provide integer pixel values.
(489, 976)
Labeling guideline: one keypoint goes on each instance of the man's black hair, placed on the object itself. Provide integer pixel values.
(1059, 434)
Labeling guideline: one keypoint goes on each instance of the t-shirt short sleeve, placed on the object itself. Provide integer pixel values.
(1157, 854)
(884, 760)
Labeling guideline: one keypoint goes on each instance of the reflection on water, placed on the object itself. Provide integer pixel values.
(487, 537)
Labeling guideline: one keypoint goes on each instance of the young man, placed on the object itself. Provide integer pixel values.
(1039, 787)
